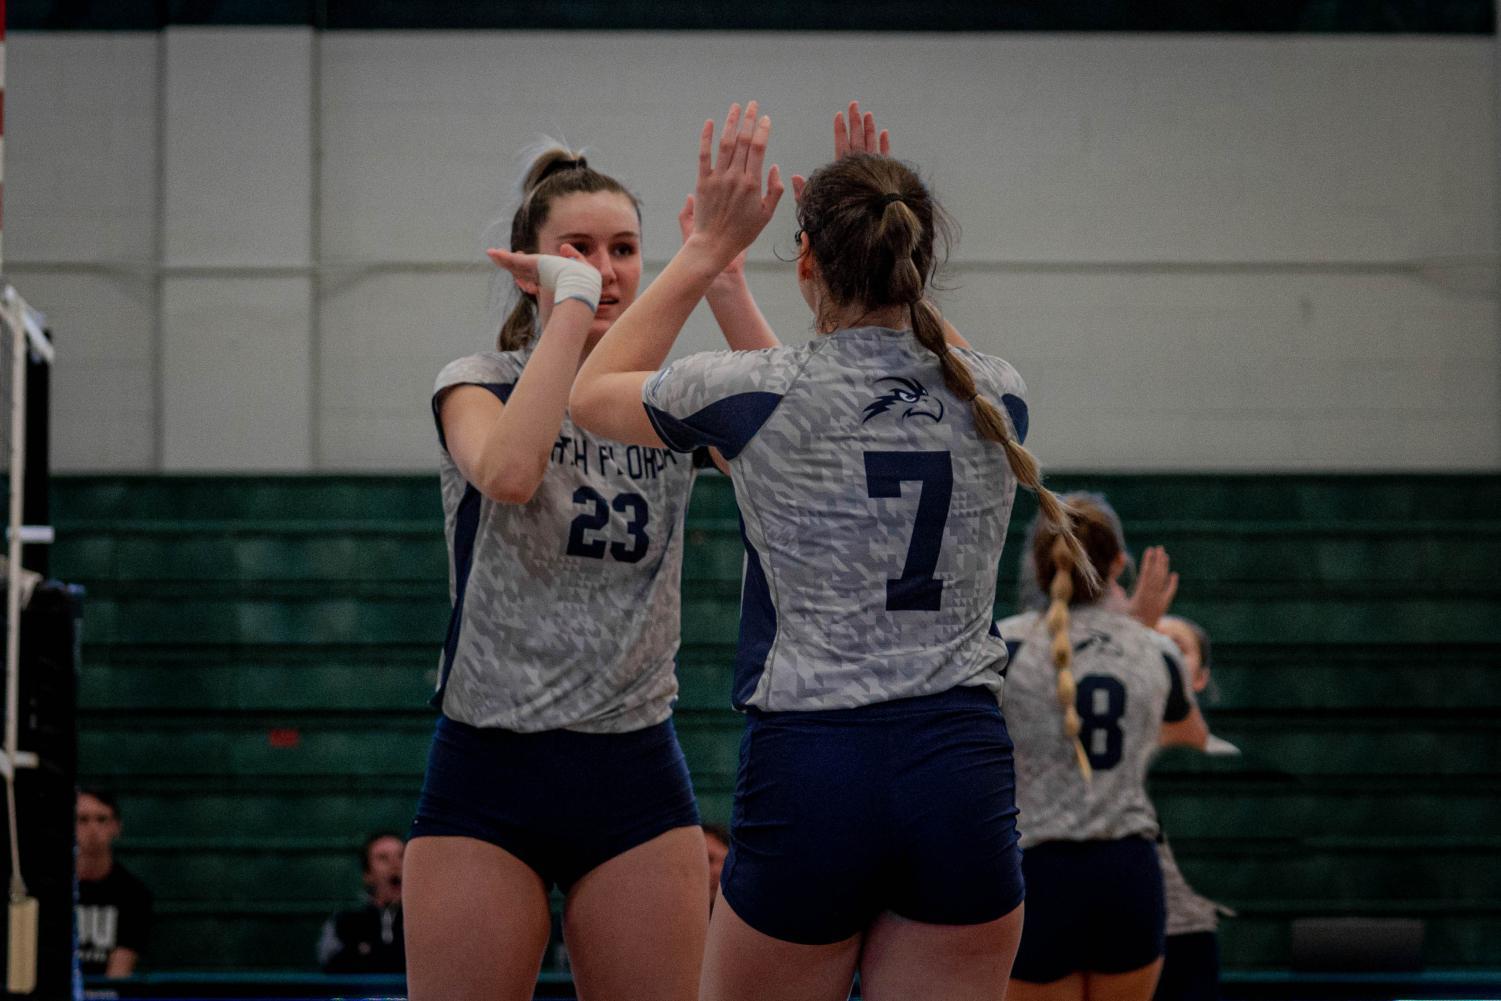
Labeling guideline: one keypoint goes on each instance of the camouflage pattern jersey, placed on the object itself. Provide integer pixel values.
(873, 513)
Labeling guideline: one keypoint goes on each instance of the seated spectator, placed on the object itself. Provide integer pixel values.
(369, 939)
(717, 841)
(114, 907)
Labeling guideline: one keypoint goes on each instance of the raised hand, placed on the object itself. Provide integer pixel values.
(734, 272)
(523, 268)
(729, 206)
(567, 273)
(853, 133)
(856, 133)
(1156, 586)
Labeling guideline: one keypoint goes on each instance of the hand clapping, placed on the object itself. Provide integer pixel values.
(853, 133)
(729, 206)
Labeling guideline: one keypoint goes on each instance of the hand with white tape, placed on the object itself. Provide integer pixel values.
(566, 275)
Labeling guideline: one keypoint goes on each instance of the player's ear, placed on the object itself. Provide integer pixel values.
(807, 267)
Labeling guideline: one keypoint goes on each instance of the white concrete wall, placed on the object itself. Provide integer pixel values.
(1204, 252)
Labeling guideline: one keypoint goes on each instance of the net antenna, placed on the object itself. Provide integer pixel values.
(26, 347)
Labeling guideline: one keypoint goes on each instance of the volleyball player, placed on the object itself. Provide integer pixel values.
(554, 763)
(875, 469)
(1091, 693)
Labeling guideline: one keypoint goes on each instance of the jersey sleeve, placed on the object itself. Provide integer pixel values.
(496, 372)
(718, 398)
(1002, 384)
(1179, 699)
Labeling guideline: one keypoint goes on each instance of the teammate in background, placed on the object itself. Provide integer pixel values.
(555, 762)
(114, 907)
(875, 469)
(717, 841)
(1090, 695)
(368, 939)
(1191, 958)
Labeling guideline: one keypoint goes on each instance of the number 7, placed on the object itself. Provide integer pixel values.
(917, 589)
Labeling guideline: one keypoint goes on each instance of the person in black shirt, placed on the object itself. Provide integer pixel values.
(114, 907)
(369, 939)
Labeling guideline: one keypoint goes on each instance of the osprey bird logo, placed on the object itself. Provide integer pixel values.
(909, 392)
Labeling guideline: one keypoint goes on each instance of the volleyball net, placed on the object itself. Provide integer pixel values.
(25, 361)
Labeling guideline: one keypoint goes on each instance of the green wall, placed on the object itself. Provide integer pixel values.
(258, 652)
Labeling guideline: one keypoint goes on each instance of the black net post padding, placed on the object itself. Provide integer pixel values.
(45, 795)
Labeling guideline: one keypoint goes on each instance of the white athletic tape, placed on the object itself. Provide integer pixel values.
(569, 279)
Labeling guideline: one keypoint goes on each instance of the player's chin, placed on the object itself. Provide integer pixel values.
(605, 316)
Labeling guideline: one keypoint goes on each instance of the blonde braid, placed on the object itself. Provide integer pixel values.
(1057, 619)
(992, 426)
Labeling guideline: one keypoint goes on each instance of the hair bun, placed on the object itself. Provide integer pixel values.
(559, 165)
(545, 158)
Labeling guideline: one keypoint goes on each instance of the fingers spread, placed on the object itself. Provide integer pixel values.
(868, 133)
(841, 136)
(885, 144)
(798, 183)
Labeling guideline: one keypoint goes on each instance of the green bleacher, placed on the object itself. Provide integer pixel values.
(258, 652)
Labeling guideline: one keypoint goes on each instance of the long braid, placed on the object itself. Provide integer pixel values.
(1061, 591)
(1065, 582)
(871, 227)
(1068, 551)
(992, 426)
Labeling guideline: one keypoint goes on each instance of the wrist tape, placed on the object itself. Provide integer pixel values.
(569, 279)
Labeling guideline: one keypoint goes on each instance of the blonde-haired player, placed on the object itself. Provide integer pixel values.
(1090, 695)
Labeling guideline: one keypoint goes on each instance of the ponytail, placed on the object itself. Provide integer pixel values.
(1061, 592)
(992, 426)
(871, 227)
(520, 325)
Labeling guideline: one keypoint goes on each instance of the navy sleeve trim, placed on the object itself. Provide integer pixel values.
(1016, 407)
(1178, 706)
(728, 424)
(502, 391)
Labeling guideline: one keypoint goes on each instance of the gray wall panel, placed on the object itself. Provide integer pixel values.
(238, 153)
(1285, 244)
(237, 376)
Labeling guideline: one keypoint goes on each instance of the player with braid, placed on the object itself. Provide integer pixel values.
(874, 468)
(554, 762)
(1090, 695)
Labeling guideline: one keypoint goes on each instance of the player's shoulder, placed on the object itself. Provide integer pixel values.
(1146, 650)
(483, 368)
(1017, 627)
(765, 370)
(995, 374)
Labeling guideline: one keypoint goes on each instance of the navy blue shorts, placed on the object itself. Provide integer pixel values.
(560, 801)
(1093, 906)
(907, 806)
